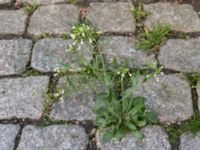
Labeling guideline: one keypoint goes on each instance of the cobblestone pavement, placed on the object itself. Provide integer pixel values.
(28, 63)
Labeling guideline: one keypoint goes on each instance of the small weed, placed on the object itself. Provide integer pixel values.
(45, 121)
(117, 109)
(29, 8)
(73, 1)
(192, 125)
(193, 78)
(150, 39)
(81, 33)
(49, 100)
(120, 116)
(154, 70)
(139, 13)
(43, 36)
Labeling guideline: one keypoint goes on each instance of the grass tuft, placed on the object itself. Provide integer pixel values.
(139, 13)
(151, 39)
(29, 8)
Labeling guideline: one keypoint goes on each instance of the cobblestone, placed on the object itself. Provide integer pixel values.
(12, 22)
(53, 19)
(55, 137)
(123, 50)
(77, 102)
(22, 97)
(14, 56)
(112, 17)
(190, 141)
(155, 138)
(181, 18)
(4, 2)
(169, 96)
(41, 2)
(8, 134)
(50, 54)
(181, 55)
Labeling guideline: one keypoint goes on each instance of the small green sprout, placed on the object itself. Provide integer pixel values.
(154, 71)
(29, 8)
(139, 13)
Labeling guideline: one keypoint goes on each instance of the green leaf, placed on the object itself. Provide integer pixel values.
(107, 136)
(101, 122)
(101, 101)
(151, 117)
(120, 133)
(137, 134)
(131, 126)
(140, 123)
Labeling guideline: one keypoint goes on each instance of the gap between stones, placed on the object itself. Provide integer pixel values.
(18, 137)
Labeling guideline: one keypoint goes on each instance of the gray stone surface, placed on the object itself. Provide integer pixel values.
(169, 96)
(112, 17)
(53, 19)
(181, 55)
(12, 22)
(50, 54)
(55, 137)
(3, 2)
(8, 134)
(180, 17)
(77, 102)
(198, 92)
(123, 50)
(190, 141)
(155, 138)
(22, 97)
(41, 2)
(14, 56)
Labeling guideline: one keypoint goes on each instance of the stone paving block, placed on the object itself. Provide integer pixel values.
(50, 54)
(155, 138)
(22, 97)
(77, 102)
(14, 56)
(41, 2)
(12, 22)
(181, 55)
(4, 2)
(189, 141)
(123, 50)
(8, 133)
(53, 19)
(198, 92)
(55, 137)
(112, 17)
(169, 96)
(181, 18)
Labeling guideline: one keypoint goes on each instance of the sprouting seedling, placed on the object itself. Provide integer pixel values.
(139, 12)
(30, 8)
(155, 70)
